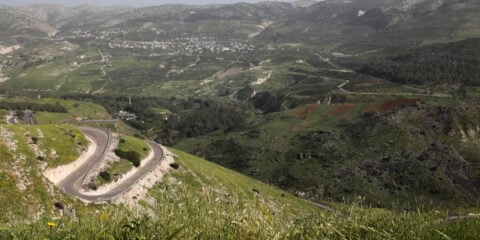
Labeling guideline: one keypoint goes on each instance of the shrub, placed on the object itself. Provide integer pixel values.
(135, 162)
(175, 166)
(35, 140)
(132, 156)
(92, 186)
(59, 205)
(105, 176)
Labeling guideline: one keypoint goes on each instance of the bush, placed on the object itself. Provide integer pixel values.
(92, 186)
(105, 176)
(175, 166)
(35, 140)
(135, 162)
(59, 205)
(132, 156)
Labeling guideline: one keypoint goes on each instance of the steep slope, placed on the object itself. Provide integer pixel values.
(391, 152)
(60, 16)
(453, 64)
(25, 153)
(220, 199)
(204, 201)
(13, 21)
(192, 185)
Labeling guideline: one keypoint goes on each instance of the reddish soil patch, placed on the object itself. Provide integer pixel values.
(342, 110)
(303, 125)
(394, 104)
(307, 110)
(296, 128)
(372, 107)
(364, 84)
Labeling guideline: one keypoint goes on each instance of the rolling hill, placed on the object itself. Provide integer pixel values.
(370, 106)
(195, 199)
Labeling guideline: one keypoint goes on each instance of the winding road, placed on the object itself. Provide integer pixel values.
(72, 184)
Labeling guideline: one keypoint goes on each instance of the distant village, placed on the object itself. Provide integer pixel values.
(186, 45)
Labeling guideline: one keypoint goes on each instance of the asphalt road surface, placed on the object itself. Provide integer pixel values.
(72, 183)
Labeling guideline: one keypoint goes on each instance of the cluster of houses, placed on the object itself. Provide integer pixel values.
(185, 45)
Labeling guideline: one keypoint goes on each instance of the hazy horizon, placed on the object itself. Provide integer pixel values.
(133, 3)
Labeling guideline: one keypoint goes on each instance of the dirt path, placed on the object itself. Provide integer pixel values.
(261, 28)
(104, 62)
(7, 50)
(345, 91)
(262, 80)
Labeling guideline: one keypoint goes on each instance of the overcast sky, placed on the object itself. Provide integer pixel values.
(135, 3)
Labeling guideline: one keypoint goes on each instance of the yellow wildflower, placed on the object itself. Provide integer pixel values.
(52, 224)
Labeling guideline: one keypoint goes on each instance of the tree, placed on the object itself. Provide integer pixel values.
(105, 176)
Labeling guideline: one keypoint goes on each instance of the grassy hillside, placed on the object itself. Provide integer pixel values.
(25, 151)
(113, 171)
(451, 64)
(204, 201)
(75, 111)
(399, 151)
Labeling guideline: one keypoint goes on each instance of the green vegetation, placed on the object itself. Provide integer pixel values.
(57, 145)
(111, 174)
(205, 201)
(393, 153)
(324, 99)
(76, 111)
(131, 151)
(57, 108)
(57, 111)
(24, 152)
(131, 156)
(452, 63)
(128, 143)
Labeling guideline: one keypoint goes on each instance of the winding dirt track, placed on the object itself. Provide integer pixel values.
(72, 183)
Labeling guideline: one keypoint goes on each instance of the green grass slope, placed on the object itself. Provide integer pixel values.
(25, 151)
(201, 200)
(391, 152)
(76, 110)
(116, 170)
